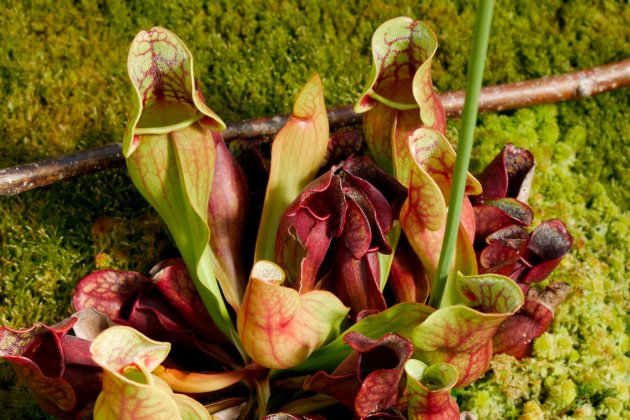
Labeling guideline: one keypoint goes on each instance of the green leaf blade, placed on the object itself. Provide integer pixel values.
(400, 319)
(171, 156)
(461, 334)
(297, 153)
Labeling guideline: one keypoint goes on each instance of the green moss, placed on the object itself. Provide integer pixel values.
(560, 393)
(532, 411)
(63, 87)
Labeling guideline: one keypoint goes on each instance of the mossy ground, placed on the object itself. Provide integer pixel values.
(63, 87)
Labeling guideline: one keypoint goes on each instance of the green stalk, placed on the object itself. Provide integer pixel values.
(263, 393)
(464, 146)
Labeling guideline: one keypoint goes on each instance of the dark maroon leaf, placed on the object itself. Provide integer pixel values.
(307, 228)
(368, 380)
(357, 281)
(548, 244)
(153, 316)
(357, 235)
(506, 175)
(227, 211)
(109, 291)
(501, 241)
(175, 284)
(497, 214)
(380, 366)
(516, 334)
(511, 251)
(167, 308)
(407, 278)
(56, 368)
(364, 168)
(504, 248)
(342, 144)
(520, 212)
(344, 216)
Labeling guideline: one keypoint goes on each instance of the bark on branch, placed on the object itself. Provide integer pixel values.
(563, 87)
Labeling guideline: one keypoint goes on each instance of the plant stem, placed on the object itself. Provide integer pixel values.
(464, 146)
(263, 392)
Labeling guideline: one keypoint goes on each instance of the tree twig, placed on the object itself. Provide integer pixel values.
(568, 86)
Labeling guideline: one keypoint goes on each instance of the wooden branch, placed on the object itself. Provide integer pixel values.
(17, 179)
(564, 87)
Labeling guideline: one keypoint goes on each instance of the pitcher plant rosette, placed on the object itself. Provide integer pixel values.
(338, 314)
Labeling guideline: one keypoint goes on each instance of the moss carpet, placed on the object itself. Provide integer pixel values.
(63, 87)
